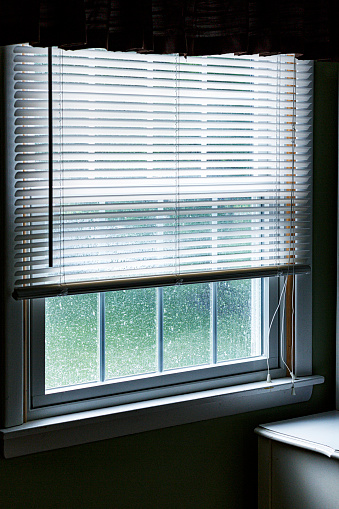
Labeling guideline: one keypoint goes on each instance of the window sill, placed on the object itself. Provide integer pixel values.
(90, 426)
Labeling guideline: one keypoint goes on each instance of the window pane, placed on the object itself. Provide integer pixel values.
(239, 319)
(187, 325)
(131, 324)
(135, 343)
(71, 340)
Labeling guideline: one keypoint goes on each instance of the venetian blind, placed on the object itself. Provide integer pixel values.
(165, 169)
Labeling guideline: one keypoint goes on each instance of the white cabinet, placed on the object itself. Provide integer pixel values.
(299, 463)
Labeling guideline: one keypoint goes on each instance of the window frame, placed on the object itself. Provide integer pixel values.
(227, 399)
(143, 387)
(237, 395)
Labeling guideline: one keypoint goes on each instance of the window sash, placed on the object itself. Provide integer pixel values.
(215, 185)
(152, 385)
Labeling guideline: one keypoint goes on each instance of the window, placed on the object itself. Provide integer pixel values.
(147, 338)
(99, 337)
(180, 187)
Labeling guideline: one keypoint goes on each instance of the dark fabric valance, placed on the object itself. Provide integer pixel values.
(193, 27)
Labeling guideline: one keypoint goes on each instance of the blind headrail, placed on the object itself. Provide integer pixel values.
(55, 290)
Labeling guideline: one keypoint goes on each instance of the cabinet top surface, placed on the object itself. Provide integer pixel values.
(319, 432)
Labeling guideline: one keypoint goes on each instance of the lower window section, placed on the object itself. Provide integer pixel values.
(95, 338)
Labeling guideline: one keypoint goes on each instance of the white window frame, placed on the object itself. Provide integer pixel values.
(81, 422)
(143, 387)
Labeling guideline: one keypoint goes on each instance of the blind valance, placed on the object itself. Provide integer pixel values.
(164, 167)
(193, 27)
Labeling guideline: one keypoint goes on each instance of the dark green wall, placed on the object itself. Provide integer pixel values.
(211, 464)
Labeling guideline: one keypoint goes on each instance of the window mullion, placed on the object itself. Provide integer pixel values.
(214, 320)
(102, 353)
(160, 331)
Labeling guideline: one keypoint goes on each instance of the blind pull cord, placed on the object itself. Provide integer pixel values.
(177, 171)
(50, 160)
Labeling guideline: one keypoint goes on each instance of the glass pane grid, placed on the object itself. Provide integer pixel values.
(130, 333)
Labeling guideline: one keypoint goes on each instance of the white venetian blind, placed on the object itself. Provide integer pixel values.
(164, 167)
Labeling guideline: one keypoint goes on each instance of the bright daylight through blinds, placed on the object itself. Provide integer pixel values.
(163, 166)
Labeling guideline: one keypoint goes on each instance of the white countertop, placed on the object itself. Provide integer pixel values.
(319, 432)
